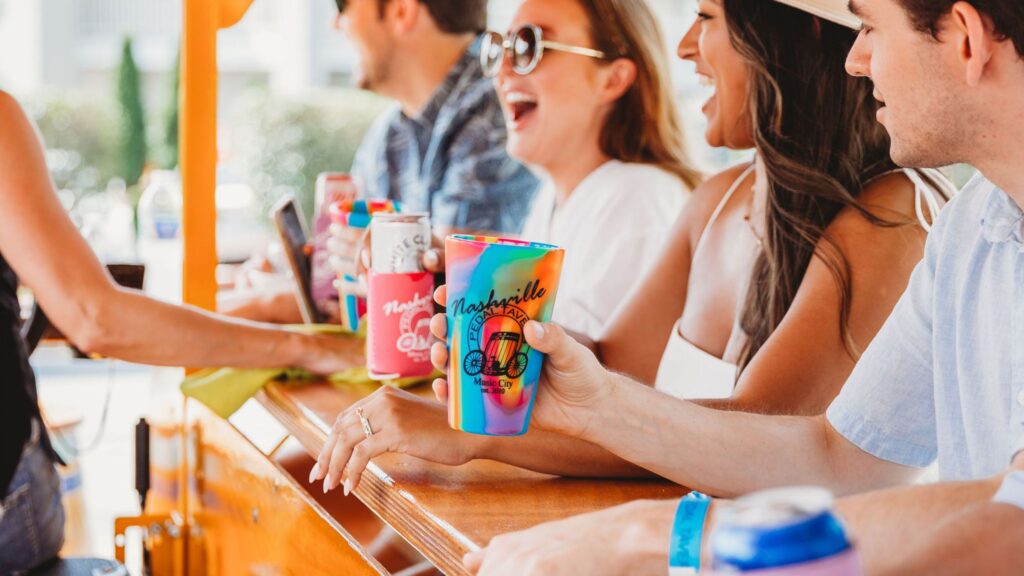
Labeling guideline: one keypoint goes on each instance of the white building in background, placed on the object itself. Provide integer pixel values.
(288, 45)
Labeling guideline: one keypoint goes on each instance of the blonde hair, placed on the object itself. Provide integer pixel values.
(644, 125)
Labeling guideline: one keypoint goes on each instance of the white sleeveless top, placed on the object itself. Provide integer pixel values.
(688, 372)
(612, 227)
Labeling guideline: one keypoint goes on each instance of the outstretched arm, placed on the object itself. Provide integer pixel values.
(43, 247)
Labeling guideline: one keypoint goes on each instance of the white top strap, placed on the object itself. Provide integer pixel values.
(929, 186)
(721, 204)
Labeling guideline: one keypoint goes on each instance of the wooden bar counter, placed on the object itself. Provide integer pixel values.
(445, 511)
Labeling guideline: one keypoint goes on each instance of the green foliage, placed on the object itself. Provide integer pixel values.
(78, 131)
(169, 145)
(283, 144)
(131, 138)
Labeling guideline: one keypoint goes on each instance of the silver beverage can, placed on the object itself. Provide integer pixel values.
(398, 242)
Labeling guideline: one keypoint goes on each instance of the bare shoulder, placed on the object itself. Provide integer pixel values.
(705, 198)
(890, 199)
(12, 118)
(9, 107)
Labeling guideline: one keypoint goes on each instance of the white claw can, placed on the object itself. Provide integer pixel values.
(399, 297)
(398, 242)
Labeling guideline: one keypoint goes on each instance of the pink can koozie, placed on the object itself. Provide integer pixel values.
(331, 188)
(399, 308)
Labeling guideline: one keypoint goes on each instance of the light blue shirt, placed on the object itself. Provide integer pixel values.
(944, 378)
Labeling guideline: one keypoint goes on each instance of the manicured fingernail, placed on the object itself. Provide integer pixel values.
(347, 486)
(327, 483)
(314, 473)
(431, 258)
(538, 330)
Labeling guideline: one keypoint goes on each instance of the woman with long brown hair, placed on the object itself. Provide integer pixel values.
(777, 272)
(588, 101)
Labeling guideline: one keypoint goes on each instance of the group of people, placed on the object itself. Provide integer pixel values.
(818, 315)
(815, 316)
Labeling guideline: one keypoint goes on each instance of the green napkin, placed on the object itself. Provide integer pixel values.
(225, 390)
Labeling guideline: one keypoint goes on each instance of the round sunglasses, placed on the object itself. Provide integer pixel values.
(525, 46)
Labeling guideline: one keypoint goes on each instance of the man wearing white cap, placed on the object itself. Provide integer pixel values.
(943, 381)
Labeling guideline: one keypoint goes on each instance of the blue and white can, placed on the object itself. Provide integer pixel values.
(783, 532)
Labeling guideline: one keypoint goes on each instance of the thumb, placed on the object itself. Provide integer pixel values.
(433, 260)
(562, 350)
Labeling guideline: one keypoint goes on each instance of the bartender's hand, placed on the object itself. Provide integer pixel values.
(401, 422)
(628, 539)
(573, 386)
(325, 354)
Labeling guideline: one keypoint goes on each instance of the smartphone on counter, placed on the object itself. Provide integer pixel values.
(291, 227)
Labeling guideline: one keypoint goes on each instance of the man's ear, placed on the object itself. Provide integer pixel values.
(401, 15)
(619, 78)
(975, 38)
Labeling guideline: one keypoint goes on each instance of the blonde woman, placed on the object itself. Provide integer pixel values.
(588, 101)
(777, 272)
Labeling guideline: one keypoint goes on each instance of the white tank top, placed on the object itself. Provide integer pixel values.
(688, 372)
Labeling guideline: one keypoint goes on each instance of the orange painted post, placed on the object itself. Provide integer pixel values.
(201, 19)
(198, 137)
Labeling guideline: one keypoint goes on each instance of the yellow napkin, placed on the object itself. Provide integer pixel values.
(225, 390)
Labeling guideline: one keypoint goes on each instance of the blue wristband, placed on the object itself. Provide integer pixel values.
(687, 533)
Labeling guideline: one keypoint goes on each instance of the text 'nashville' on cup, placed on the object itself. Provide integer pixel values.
(495, 286)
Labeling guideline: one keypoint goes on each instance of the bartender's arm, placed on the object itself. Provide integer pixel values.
(44, 248)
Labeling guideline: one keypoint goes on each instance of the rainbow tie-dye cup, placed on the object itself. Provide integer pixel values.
(495, 286)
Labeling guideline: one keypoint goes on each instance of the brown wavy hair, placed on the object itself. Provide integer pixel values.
(644, 126)
(815, 131)
(1005, 16)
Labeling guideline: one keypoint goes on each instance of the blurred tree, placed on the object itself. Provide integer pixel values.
(79, 132)
(169, 156)
(282, 143)
(131, 141)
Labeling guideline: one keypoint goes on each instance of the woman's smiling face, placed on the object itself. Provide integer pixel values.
(708, 46)
(560, 106)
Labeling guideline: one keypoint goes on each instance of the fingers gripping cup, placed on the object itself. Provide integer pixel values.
(495, 287)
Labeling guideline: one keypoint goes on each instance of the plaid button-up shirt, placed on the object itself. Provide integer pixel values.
(450, 160)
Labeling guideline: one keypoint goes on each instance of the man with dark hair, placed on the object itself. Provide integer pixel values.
(442, 148)
(451, 17)
(1006, 18)
(942, 382)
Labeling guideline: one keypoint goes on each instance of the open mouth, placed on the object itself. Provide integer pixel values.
(707, 81)
(520, 106)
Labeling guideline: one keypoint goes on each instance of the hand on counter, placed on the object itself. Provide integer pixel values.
(400, 422)
(628, 539)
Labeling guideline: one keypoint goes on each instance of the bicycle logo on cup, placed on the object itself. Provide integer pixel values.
(503, 354)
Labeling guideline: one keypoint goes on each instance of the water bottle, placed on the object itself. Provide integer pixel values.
(160, 247)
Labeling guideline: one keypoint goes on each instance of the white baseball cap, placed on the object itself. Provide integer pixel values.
(834, 10)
